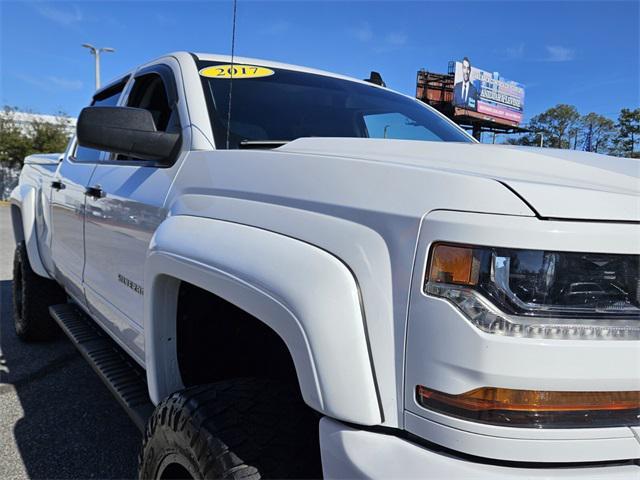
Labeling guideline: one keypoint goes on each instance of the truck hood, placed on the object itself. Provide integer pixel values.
(563, 184)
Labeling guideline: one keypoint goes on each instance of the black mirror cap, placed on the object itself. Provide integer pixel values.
(127, 131)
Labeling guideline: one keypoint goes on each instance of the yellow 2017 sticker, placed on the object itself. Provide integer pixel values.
(236, 71)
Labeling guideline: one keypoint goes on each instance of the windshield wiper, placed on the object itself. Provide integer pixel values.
(253, 144)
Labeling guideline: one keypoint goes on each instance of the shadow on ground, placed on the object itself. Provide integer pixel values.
(67, 424)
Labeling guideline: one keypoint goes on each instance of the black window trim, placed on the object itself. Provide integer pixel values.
(165, 72)
(110, 89)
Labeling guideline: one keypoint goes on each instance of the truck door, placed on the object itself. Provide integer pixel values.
(123, 212)
(68, 198)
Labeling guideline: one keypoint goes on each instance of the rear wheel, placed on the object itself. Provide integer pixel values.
(32, 296)
(237, 429)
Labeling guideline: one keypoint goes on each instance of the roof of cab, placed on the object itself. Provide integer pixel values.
(212, 57)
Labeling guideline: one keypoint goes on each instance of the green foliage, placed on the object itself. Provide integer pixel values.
(528, 140)
(563, 127)
(13, 143)
(17, 141)
(558, 127)
(601, 129)
(627, 140)
(558, 123)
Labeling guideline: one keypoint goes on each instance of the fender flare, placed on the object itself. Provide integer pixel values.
(23, 219)
(306, 295)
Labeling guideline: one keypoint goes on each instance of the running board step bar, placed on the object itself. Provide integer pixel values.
(123, 376)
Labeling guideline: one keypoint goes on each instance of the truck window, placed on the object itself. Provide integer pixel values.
(149, 92)
(108, 97)
(291, 104)
(396, 125)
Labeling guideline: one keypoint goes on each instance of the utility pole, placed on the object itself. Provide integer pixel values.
(96, 53)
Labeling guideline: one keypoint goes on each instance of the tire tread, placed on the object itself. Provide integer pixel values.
(31, 312)
(243, 429)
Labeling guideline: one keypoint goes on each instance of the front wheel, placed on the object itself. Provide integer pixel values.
(238, 429)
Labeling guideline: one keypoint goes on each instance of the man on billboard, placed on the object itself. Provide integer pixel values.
(464, 93)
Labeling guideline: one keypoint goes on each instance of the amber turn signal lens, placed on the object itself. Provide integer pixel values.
(453, 264)
(537, 408)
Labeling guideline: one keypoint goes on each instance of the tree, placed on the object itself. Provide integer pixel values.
(48, 137)
(627, 138)
(600, 129)
(17, 140)
(558, 125)
(526, 140)
(14, 145)
(37, 136)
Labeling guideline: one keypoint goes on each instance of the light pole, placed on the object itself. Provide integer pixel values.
(96, 53)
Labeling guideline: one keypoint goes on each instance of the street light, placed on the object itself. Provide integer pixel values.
(96, 53)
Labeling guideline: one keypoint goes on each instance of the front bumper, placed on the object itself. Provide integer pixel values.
(351, 453)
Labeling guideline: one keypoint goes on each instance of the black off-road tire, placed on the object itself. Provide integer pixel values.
(238, 429)
(32, 296)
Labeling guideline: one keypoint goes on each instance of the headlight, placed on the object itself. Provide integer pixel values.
(538, 293)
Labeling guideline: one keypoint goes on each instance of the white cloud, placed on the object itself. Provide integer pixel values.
(379, 43)
(396, 39)
(51, 83)
(65, 83)
(557, 53)
(35, 81)
(364, 33)
(391, 41)
(65, 17)
(514, 52)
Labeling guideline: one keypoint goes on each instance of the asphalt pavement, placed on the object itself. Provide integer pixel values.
(57, 419)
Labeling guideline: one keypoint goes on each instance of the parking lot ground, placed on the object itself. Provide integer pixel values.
(57, 419)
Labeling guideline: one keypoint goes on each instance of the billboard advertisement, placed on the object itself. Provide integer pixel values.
(487, 93)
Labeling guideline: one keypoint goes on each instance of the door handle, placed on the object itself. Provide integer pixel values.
(94, 192)
(58, 185)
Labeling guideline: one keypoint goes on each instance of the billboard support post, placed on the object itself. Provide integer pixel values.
(477, 131)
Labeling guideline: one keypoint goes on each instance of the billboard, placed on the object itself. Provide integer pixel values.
(487, 93)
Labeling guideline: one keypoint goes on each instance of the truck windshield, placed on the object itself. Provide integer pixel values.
(288, 104)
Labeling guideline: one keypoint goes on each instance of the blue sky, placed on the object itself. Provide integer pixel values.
(581, 52)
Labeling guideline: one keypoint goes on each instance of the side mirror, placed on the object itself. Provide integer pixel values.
(125, 130)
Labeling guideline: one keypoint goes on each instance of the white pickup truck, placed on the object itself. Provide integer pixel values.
(282, 272)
